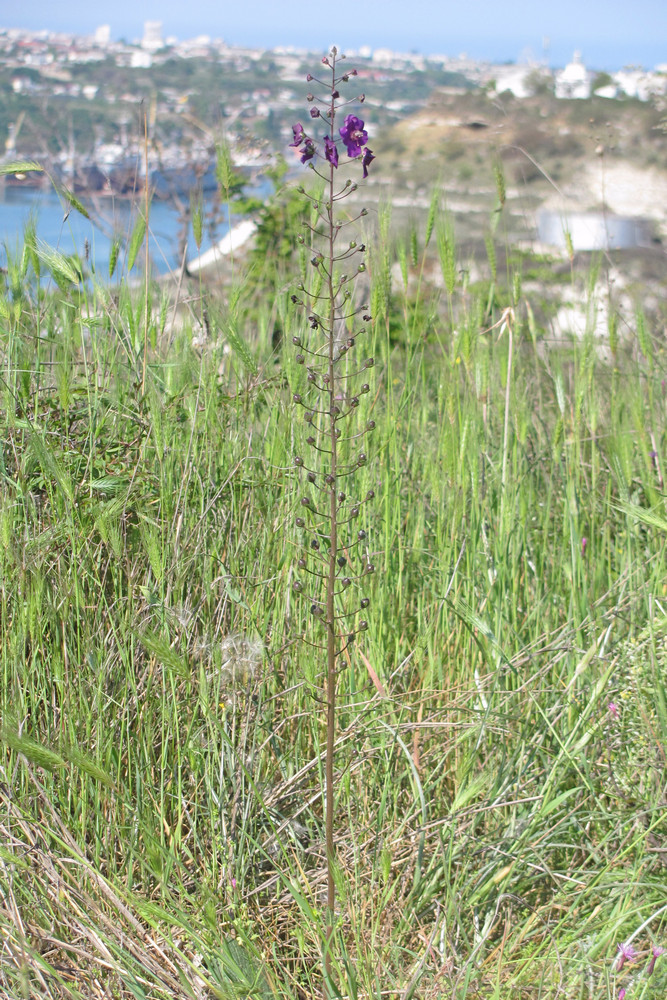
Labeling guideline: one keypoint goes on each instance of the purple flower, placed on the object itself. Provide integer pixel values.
(626, 953)
(308, 151)
(330, 151)
(658, 950)
(584, 543)
(366, 160)
(353, 135)
(299, 134)
(621, 994)
(615, 714)
(314, 112)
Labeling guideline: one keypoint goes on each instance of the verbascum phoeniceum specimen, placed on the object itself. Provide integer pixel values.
(331, 394)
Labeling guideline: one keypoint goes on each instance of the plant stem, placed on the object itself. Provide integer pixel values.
(331, 581)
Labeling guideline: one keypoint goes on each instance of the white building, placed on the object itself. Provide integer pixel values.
(573, 82)
(102, 35)
(637, 83)
(152, 40)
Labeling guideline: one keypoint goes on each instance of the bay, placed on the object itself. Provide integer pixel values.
(63, 227)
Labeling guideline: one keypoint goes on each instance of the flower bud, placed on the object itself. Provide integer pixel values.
(369, 362)
(361, 534)
(354, 401)
(362, 98)
(365, 387)
(341, 498)
(329, 479)
(314, 112)
(297, 586)
(308, 417)
(370, 495)
(310, 440)
(363, 625)
(300, 523)
(341, 561)
(345, 582)
(362, 458)
(363, 212)
(370, 426)
(315, 544)
(364, 602)
(308, 78)
(296, 341)
(361, 268)
(350, 341)
(354, 512)
(299, 359)
(370, 568)
(302, 565)
(296, 398)
(311, 477)
(298, 461)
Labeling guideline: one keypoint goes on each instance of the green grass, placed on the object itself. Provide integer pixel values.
(161, 785)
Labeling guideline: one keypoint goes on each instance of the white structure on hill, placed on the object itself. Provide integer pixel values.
(152, 40)
(102, 35)
(573, 82)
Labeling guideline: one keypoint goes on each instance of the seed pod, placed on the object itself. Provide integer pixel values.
(298, 461)
(296, 398)
(300, 523)
(361, 534)
(370, 495)
(296, 340)
(363, 625)
(297, 586)
(364, 602)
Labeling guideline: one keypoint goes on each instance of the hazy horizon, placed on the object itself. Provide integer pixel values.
(609, 33)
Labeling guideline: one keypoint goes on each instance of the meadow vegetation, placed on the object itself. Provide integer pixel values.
(500, 756)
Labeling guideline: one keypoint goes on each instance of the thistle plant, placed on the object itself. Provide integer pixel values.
(334, 558)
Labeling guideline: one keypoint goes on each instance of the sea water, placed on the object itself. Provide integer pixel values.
(61, 226)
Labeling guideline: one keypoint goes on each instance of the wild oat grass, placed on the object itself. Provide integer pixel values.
(500, 829)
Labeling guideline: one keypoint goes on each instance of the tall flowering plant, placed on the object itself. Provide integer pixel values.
(334, 555)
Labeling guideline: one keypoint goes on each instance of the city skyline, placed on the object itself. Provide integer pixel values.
(609, 34)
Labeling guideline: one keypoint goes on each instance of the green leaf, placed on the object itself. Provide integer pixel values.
(113, 254)
(232, 590)
(72, 201)
(163, 652)
(20, 167)
(60, 266)
(136, 239)
(35, 752)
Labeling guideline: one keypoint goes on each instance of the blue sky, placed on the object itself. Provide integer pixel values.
(610, 33)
